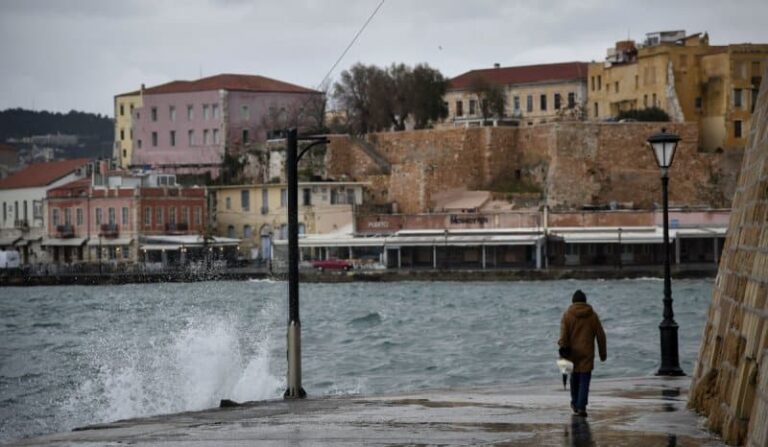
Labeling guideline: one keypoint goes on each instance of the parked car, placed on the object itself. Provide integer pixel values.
(331, 264)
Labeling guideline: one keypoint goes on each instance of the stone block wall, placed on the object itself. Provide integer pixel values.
(571, 163)
(730, 382)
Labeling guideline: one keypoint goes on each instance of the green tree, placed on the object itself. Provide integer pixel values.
(652, 114)
(490, 96)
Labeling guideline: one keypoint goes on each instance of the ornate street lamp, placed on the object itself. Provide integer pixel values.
(663, 146)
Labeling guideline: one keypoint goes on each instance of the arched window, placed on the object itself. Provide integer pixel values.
(231, 231)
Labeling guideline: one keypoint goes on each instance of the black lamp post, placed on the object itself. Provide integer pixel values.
(292, 157)
(663, 146)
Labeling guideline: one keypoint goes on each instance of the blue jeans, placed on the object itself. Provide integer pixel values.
(580, 390)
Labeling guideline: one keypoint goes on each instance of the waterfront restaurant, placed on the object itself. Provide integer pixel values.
(180, 250)
(520, 240)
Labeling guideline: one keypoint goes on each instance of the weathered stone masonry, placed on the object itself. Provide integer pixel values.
(570, 163)
(730, 383)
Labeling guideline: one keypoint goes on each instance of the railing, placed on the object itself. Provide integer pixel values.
(65, 231)
(21, 224)
(109, 230)
(176, 228)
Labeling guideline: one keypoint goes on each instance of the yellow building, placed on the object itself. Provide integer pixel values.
(534, 94)
(686, 77)
(124, 105)
(258, 214)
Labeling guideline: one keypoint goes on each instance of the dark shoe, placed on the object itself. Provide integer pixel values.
(582, 413)
(575, 411)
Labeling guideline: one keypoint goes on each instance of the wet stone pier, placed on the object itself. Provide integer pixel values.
(648, 411)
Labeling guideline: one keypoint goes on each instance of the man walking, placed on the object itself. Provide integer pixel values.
(579, 328)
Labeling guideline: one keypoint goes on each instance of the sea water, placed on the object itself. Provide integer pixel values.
(77, 355)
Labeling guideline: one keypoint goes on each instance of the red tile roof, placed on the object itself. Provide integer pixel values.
(236, 82)
(564, 71)
(41, 174)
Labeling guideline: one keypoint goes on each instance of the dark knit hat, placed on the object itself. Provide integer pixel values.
(579, 297)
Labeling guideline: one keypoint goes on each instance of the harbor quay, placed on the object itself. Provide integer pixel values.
(648, 411)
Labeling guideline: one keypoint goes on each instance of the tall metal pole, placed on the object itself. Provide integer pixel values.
(670, 363)
(294, 390)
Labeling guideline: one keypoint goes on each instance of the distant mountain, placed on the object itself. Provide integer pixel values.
(95, 132)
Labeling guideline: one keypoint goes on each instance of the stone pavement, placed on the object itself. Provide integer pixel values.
(647, 411)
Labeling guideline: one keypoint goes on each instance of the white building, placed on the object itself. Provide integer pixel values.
(22, 199)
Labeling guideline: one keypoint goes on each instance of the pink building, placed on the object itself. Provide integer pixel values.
(184, 127)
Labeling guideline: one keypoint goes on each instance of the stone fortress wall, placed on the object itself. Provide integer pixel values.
(730, 382)
(568, 164)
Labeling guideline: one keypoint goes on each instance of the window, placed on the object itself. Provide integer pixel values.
(215, 111)
(557, 101)
(697, 102)
(228, 203)
(111, 214)
(125, 153)
(516, 103)
(124, 219)
(543, 102)
(245, 136)
(472, 107)
(247, 232)
(592, 79)
(683, 60)
(459, 108)
(122, 134)
(147, 216)
(68, 216)
(264, 201)
(172, 113)
(206, 137)
(172, 215)
(79, 216)
(25, 210)
(154, 114)
(599, 82)
(737, 97)
(245, 200)
(571, 100)
(190, 112)
(138, 144)
(283, 198)
(645, 101)
(55, 217)
(184, 214)
(154, 139)
(637, 82)
(37, 209)
(159, 216)
(173, 138)
(191, 137)
(306, 196)
(616, 86)
(215, 136)
(5, 212)
(122, 110)
(654, 100)
(596, 110)
(206, 112)
(245, 113)
(529, 104)
(231, 231)
(737, 129)
(98, 216)
(198, 216)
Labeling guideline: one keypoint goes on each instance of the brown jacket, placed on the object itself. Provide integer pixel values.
(578, 329)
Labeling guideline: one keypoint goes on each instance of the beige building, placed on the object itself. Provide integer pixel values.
(689, 79)
(258, 214)
(124, 105)
(534, 94)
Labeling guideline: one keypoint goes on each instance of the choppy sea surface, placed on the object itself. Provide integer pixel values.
(71, 355)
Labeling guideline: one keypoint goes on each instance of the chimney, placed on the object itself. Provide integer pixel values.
(496, 65)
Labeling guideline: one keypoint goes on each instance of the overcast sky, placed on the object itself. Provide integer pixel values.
(77, 54)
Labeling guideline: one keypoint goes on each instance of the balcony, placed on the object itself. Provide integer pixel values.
(65, 231)
(109, 231)
(176, 228)
(21, 224)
